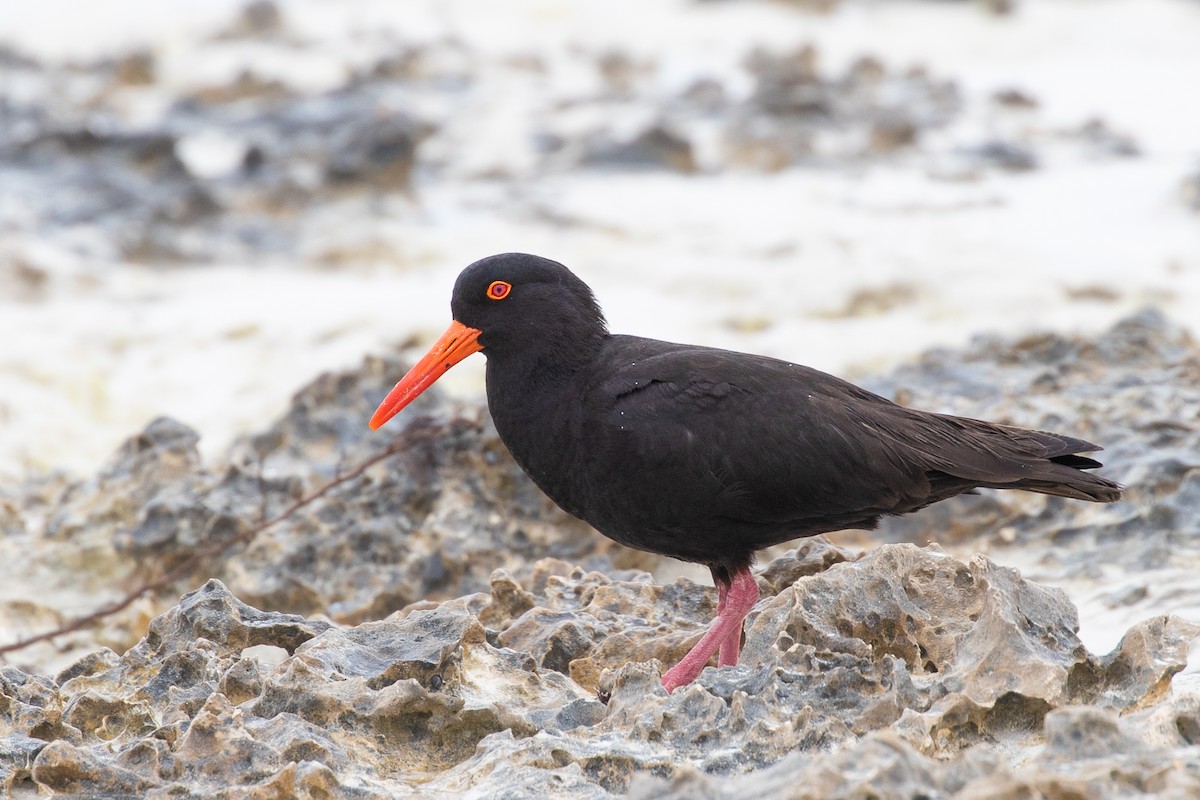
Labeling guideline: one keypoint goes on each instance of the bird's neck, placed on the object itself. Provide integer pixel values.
(542, 372)
(546, 362)
(535, 403)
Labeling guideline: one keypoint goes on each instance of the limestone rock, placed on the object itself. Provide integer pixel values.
(906, 662)
(440, 630)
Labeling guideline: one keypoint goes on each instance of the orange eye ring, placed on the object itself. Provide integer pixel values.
(498, 290)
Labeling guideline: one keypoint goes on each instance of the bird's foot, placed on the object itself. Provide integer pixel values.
(679, 675)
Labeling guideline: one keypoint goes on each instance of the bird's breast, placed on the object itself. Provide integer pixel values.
(541, 429)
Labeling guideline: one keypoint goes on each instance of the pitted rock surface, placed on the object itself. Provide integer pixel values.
(435, 628)
(424, 703)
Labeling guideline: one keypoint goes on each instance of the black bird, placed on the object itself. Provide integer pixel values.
(709, 455)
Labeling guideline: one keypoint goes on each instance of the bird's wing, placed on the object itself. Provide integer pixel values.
(767, 440)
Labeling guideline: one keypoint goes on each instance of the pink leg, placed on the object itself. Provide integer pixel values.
(724, 634)
(731, 648)
(727, 655)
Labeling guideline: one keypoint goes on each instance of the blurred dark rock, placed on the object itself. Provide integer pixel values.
(1015, 98)
(23, 277)
(654, 148)
(71, 160)
(138, 68)
(1189, 190)
(381, 156)
(621, 72)
(1104, 141)
(1008, 156)
(797, 113)
(257, 18)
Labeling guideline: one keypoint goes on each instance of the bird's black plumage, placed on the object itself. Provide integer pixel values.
(709, 455)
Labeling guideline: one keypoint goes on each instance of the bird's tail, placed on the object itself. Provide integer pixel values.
(1070, 481)
(1004, 457)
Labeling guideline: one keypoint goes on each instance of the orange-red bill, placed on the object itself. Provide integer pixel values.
(456, 343)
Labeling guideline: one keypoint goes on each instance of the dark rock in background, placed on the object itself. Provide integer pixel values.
(238, 168)
(1189, 190)
(72, 165)
(794, 108)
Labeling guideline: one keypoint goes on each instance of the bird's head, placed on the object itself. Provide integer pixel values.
(511, 305)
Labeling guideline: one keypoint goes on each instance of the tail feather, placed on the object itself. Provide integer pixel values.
(1077, 461)
(1060, 473)
(1079, 486)
(962, 453)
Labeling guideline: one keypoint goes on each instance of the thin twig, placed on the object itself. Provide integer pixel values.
(198, 557)
(264, 502)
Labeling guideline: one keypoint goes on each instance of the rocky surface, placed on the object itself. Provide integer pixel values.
(434, 628)
(1136, 555)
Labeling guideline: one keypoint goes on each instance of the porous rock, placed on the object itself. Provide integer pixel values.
(432, 646)
(1134, 388)
(422, 524)
(906, 660)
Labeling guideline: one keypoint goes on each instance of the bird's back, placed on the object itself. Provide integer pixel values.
(689, 451)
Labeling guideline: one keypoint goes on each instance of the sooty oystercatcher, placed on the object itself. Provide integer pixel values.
(708, 455)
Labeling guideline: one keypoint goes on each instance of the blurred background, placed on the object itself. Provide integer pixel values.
(204, 205)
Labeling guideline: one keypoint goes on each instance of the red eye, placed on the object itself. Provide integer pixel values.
(499, 290)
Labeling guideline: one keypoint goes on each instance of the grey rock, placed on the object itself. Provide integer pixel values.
(1189, 190)
(1008, 156)
(799, 114)
(444, 632)
(72, 158)
(656, 147)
